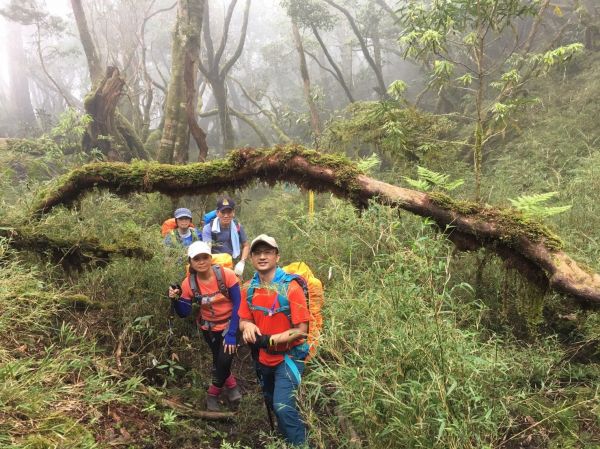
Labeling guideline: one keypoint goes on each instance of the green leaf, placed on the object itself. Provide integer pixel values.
(532, 205)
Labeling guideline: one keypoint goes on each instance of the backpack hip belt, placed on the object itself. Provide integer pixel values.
(210, 324)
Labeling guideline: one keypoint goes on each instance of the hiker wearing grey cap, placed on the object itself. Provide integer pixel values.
(226, 235)
(183, 234)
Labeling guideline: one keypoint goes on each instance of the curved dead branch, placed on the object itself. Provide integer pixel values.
(525, 245)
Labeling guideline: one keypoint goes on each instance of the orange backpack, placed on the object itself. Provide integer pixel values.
(315, 298)
(169, 225)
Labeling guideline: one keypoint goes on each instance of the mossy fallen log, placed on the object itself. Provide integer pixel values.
(72, 253)
(523, 244)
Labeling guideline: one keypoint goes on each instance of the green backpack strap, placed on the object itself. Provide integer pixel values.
(175, 238)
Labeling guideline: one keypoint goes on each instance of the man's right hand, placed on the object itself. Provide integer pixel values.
(250, 332)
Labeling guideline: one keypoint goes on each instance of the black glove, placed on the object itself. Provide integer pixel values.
(262, 341)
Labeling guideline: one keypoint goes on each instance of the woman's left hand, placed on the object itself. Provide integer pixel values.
(230, 349)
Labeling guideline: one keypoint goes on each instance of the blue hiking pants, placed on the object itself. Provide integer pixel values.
(279, 386)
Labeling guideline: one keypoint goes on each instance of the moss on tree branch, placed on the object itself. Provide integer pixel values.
(522, 243)
(70, 253)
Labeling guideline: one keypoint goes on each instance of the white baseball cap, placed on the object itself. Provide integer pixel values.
(198, 247)
(264, 238)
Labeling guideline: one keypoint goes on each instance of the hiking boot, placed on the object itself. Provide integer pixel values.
(212, 403)
(234, 395)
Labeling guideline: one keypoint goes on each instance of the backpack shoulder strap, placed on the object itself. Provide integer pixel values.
(250, 290)
(282, 295)
(220, 275)
(282, 287)
(194, 286)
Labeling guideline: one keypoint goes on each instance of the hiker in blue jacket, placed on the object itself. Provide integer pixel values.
(183, 234)
(226, 235)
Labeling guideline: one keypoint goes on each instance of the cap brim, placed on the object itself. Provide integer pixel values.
(200, 252)
(265, 242)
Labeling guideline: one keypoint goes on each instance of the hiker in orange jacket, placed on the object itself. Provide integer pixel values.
(217, 290)
(278, 326)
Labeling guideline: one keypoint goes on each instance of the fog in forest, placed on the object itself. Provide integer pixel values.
(47, 58)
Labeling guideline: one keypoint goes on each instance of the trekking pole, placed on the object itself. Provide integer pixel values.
(269, 414)
(254, 355)
(171, 315)
(170, 326)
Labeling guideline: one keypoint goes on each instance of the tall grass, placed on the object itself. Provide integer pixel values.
(54, 382)
(409, 360)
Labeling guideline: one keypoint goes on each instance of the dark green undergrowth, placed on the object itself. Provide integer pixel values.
(409, 355)
(56, 384)
(414, 353)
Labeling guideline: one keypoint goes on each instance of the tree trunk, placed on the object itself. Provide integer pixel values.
(220, 94)
(74, 252)
(180, 117)
(478, 147)
(18, 80)
(526, 246)
(377, 48)
(339, 75)
(381, 88)
(175, 134)
(314, 113)
(216, 72)
(101, 104)
(109, 132)
(89, 48)
(199, 135)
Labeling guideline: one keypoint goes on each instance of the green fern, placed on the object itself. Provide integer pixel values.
(532, 206)
(418, 184)
(429, 179)
(367, 164)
